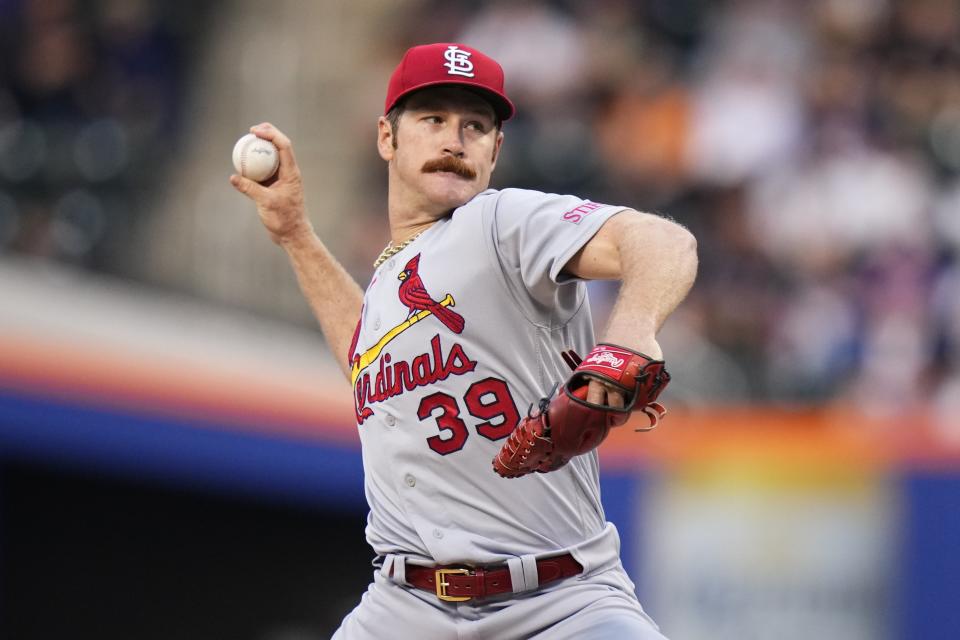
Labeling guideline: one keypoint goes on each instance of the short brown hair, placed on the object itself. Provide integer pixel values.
(393, 117)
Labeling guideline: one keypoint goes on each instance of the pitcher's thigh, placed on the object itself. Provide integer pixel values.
(389, 611)
(612, 616)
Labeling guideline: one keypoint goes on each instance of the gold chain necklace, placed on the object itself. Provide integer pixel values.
(393, 249)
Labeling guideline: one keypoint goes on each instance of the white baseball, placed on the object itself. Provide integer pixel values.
(255, 158)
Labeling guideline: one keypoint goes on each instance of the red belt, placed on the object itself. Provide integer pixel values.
(458, 584)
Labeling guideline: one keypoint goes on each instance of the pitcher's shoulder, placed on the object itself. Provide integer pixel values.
(517, 198)
(511, 204)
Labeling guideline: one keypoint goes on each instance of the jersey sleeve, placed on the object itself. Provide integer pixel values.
(538, 233)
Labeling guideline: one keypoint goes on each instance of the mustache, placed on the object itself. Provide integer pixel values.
(451, 164)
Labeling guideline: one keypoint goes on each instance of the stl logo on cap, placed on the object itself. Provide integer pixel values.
(458, 61)
(423, 66)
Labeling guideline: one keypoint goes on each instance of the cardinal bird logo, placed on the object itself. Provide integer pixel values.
(415, 296)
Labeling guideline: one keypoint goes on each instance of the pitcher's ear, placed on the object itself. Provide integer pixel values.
(496, 148)
(386, 141)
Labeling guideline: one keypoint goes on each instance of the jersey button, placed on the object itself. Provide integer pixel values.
(390, 420)
(390, 264)
(437, 534)
(410, 480)
(376, 324)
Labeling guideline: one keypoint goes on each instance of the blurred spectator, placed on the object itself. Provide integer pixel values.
(746, 75)
(89, 93)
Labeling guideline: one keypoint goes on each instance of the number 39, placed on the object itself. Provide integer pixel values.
(486, 399)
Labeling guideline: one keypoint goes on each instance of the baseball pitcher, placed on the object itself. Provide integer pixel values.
(480, 390)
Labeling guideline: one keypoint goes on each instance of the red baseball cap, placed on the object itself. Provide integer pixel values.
(446, 63)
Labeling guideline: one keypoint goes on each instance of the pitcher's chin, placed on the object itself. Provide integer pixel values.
(450, 191)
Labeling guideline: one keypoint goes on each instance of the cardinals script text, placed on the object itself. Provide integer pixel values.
(394, 378)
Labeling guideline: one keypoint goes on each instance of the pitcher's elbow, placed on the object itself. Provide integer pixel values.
(685, 242)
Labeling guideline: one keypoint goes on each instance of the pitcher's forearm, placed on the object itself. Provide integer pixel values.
(333, 295)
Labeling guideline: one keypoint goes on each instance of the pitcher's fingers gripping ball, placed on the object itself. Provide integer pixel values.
(568, 425)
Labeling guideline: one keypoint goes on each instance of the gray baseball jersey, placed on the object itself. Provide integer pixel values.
(459, 333)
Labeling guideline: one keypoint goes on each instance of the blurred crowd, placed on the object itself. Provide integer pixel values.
(90, 92)
(812, 146)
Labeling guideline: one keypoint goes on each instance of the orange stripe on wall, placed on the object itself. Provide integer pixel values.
(842, 434)
(178, 387)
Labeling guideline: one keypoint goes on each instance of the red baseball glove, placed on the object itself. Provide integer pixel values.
(566, 425)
